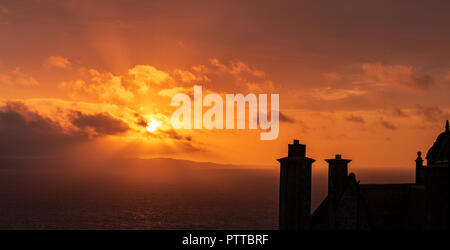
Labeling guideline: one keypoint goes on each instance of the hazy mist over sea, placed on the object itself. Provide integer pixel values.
(149, 194)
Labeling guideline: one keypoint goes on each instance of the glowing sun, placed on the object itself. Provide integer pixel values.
(152, 125)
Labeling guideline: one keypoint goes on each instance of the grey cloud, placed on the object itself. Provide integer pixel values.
(101, 123)
(24, 132)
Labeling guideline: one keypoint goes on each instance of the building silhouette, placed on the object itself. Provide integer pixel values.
(350, 205)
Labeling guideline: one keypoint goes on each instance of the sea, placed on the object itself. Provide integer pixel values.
(148, 194)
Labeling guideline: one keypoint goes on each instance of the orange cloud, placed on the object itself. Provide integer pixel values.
(142, 82)
(330, 94)
(237, 76)
(173, 91)
(57, 62)
(188, 77)
(102, 86)
(15, 77)
(397, 75)
(236, 68)
(431, 113)
(145, 76)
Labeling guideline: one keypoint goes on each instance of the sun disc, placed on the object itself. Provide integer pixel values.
(152, 125)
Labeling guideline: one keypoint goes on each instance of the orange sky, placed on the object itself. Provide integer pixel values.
(366, 80)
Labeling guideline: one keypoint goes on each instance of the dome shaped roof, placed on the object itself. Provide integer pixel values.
(440, 151)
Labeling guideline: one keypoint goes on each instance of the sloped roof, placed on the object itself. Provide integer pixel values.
(319, 218)
(386, 206)
(394, 206)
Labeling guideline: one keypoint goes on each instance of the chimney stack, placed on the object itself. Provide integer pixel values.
(420, 171)
(337, 180)
(295, 188)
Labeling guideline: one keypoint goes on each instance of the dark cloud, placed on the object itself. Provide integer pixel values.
(174, 135)
(24, 132)
(101, 123)
(171, 134)
(162, 134)
(388, 125)
(142, 122)
(355, 119)
(284, 118)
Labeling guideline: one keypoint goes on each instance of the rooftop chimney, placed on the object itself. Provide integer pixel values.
(337, 180)
(295, 188)
(420, 172)
(296, 149)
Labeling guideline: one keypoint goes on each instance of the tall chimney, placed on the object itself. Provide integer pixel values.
(420, 171)
(337, 180)
(295, 188)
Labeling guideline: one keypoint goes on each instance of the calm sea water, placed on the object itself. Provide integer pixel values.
(148, 195)
(144, 194)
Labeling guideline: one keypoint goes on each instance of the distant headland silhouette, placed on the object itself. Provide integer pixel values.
(350, 205)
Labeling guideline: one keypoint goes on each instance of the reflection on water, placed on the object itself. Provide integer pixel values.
(142, 194)
(137, 195)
